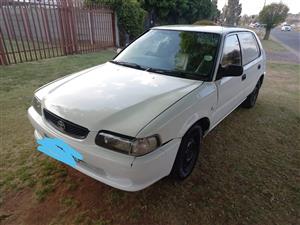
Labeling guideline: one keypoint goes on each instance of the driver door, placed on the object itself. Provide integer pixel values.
(230, 89)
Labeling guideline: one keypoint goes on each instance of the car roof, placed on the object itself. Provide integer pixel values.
(198, 28)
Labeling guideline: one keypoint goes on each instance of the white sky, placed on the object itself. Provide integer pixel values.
(251, 7)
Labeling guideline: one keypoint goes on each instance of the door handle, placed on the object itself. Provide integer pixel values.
(258, 67)
(244, 76)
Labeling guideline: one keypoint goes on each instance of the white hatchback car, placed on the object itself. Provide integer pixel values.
(286, 28)
(142, 116)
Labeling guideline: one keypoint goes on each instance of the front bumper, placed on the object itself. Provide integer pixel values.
(121, 171)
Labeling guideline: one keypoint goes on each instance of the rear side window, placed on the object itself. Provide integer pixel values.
(249, 47)
(231, 52)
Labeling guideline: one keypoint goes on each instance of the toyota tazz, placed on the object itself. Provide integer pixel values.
(143, 115)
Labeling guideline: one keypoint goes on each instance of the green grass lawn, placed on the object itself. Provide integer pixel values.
(273, 46)
(248, 172)
(18, 82)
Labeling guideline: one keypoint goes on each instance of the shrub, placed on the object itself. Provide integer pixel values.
(130, 16)
(205, 23)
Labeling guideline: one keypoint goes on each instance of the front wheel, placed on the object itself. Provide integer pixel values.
(252, 97)
(187, 154)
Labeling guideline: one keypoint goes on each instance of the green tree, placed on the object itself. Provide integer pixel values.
(232, 12)
(177, 14)
(160, 9)
(179, 11)
(201, 9)
(272, 15)
(215, 12)
(245, 20)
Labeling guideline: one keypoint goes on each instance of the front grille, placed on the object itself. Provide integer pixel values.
(66, 126)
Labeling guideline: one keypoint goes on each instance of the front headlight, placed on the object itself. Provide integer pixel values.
(36, 103)
(127, 145)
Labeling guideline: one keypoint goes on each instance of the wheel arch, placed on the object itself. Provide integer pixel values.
(204, 122)
(261, 79)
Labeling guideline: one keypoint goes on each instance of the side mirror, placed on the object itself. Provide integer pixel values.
(119, 50)
(230, 71)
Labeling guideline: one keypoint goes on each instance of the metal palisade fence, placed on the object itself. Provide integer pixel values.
(37, 29)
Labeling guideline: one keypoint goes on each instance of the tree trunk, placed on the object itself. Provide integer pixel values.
(267, 34)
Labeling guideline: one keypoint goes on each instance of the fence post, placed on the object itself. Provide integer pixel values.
(3, 60)
(62, 25)
(90, 17)
(67, 27)
(117, 30)
(73, 27)
(113, 27)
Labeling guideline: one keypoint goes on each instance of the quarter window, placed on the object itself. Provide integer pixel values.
(231, 52)
(249, 47)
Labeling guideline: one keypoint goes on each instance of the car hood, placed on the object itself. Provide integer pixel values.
(112, 97)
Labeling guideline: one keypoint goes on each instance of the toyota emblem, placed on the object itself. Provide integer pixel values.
(60, 124)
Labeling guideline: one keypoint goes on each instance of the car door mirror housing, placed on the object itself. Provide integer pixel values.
(230, 71)
(119, 50)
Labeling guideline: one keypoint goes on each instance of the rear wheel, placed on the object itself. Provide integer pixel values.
(252, 97)
(187, 154)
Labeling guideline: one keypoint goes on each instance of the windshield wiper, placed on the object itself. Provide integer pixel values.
(128, 64)
(177, 73)
(174, 73)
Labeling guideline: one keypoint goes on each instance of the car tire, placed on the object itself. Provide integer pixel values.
(252, 97)
(187, 154)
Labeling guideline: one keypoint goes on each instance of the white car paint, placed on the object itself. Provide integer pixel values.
(149, 95)
(286, 28)
(139, 104)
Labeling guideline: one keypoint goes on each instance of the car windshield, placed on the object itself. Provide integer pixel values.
(184, 54)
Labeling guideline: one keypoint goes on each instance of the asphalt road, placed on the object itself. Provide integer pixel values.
(289, 38)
